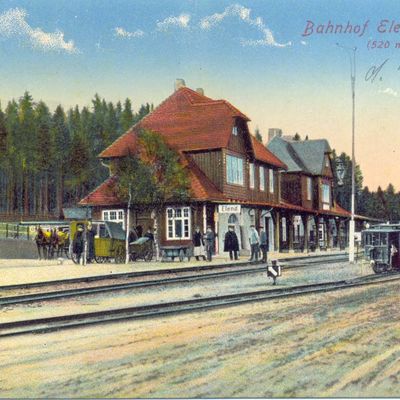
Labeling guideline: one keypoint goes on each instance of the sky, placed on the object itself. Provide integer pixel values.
(277, 61)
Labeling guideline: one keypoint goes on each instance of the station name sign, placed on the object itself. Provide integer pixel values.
(229, 208)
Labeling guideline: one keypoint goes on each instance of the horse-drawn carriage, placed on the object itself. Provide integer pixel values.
(106, 242)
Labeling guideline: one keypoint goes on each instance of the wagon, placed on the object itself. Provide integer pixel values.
(108, 241)
(179, 251)
(141, 248)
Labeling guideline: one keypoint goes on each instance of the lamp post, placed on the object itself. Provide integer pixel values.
(352, 57)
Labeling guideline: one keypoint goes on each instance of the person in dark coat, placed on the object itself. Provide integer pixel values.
(198, 243)
(209, 238)
(78, 243)
(231, 243)
(90, 238)
(263, 243)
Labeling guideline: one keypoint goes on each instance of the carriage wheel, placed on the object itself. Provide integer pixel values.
(378, 268)
(149, 255)
(99, 260)
(133, 256)
(74, 258)
(120, 256)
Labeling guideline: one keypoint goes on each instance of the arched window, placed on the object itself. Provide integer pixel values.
(232, 219)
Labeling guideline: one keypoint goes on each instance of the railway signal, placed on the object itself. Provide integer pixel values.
(274, 271)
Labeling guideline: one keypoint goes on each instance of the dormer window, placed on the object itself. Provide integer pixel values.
(235, 131)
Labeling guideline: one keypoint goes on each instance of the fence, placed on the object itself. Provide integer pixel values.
(15, 231)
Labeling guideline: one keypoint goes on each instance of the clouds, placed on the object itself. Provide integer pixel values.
(389, 91)
(13, 24)
(181, 21)
(243, 13)
(121, 32)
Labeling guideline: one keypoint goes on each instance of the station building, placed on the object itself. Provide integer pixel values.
(234, 179)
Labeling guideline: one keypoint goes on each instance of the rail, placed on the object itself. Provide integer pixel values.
(49, 324)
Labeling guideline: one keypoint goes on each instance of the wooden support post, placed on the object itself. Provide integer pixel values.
(328, 233)
(304, 219)
(277, 222)
(289, 230)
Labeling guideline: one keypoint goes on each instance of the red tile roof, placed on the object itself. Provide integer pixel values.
(261, 153)
(201, 188)
(103, 195)
(187, 120)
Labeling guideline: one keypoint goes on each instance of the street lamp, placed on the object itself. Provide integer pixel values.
(352, 57)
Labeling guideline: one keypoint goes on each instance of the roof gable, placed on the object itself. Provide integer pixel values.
(306, 156)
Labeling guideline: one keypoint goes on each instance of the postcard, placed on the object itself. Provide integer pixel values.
(199, 199)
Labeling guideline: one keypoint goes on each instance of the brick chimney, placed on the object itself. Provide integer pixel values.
(179, 83)
(272, 132)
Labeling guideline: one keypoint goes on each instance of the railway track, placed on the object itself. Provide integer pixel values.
(42, 325)
(285, 263)
(201, 274)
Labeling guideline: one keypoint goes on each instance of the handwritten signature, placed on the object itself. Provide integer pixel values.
(374, 71)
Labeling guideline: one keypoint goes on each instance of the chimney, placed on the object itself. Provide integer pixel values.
(200, 91)
(272, 132)
(179, 83)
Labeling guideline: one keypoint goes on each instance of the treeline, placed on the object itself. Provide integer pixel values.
(380, 204)
(48, 160)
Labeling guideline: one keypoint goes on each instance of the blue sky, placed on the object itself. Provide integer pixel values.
(251, 53)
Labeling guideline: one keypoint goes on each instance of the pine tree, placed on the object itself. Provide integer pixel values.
(27, 141)
(126, 116)
(44, 155)
(62, 142)
(3, 162)
(258, 135)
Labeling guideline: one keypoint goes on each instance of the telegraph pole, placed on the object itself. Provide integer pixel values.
(352, 57)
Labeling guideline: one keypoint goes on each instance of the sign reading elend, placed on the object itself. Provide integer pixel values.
(229, 208)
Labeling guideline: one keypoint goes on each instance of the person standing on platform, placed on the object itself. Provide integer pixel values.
(231, 243)
(198, 244)
(209, 238)
(263, 244)
(254, 240)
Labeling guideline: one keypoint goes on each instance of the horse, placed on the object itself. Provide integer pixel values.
(42, 243)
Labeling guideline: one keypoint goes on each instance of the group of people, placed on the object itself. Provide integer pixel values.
(204, 244)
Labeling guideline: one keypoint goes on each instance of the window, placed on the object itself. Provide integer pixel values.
(262, 178)
(326, 196)
(235, 131)
(309, 188)
(114, 216)
(234, 170)
(251, 175)
(271, 181)
(232, 219)
(178, 223)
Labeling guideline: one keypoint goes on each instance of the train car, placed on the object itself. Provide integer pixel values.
(381, 247)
